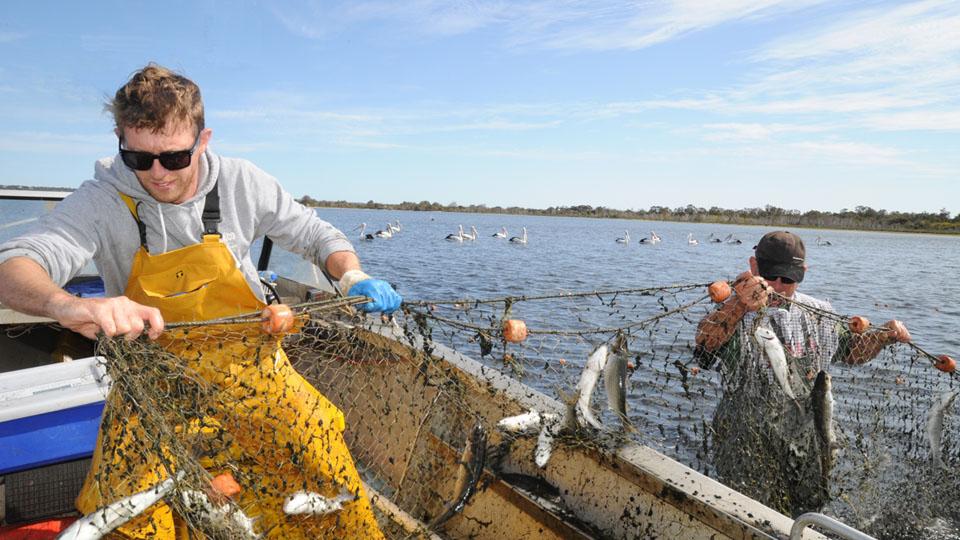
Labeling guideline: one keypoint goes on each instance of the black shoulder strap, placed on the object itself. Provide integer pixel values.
(134, 207)
(211, 211)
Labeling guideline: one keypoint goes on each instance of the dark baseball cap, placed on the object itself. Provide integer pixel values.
(781, 254)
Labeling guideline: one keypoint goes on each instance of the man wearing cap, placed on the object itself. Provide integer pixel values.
(764, 440)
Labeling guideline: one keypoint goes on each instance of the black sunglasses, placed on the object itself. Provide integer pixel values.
(784, 280)
(171, 161)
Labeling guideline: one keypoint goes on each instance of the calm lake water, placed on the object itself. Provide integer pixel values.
(910, 277)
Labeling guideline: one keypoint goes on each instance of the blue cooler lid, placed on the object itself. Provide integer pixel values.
(50, 414)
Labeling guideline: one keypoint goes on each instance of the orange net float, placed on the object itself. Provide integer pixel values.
(945, 364)
(719, 291)
(276, 319)
(514, 330)
(858, 324)
(224, 487)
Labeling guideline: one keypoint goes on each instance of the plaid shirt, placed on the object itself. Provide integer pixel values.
(810, 341)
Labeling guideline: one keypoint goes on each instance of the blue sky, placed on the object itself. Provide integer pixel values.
(802, 104)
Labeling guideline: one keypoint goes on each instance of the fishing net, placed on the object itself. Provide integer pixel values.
(426, 438)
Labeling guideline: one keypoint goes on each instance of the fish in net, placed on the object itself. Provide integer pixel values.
(410, 419)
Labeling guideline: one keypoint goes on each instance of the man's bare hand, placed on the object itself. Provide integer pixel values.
(752, 291)
(117, 316)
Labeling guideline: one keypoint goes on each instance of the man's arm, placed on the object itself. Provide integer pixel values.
(341, 262)
(26, 287)
(716, 328)
(861, 348)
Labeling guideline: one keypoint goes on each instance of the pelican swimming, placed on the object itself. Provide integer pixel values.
(384, 233)
(652, 239)
(394, 228)
(625, 239)
(458, 237)
(522, 239)
(691, 240)
(501, 234)
(822, 242)
(714, 239)
(363, 227)
(472, 235)
(730, 239)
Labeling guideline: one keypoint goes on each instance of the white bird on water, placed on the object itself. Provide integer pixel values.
(458, 237)
(822, 242)
(625, 239)
(691, 240)
(384, 233)
(522, 239)
(363, 227)
(472, 235)
(652, 239)
(395, 228)
(501, 234)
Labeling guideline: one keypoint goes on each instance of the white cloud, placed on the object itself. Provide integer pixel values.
(878, 59)
(755, 131)
(945, 120)
(850, 152)
(553, 24)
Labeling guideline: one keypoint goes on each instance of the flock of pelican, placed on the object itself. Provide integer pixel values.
(654, 238)
(387, 232)
(729, 239)
(461, 236)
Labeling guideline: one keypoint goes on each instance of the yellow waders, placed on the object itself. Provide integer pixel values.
(284, 433)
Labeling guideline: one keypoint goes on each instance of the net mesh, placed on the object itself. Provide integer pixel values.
(414, 424)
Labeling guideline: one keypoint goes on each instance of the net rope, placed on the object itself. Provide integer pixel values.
(893, 476)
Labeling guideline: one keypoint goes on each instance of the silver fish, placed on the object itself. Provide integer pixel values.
(615, 380)
(552, 424)
(821, 401)
(935, 425)
(103, 521)
(773, 350)
(588, 381)
(314, 504)
(218, 517)
(520, 423)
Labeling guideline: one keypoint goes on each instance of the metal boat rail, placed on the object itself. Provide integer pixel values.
(827, 523)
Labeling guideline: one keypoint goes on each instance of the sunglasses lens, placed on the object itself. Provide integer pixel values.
(784, 280)
(140, 161)
(174, 161)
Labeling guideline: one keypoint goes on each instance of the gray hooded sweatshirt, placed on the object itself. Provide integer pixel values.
(94, 224)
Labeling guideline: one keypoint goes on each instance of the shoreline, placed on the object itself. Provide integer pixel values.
(640, 217)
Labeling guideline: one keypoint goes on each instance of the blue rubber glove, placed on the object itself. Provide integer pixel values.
(383, 297)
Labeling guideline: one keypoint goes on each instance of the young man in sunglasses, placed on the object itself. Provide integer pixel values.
(764, 437)
(169, 224)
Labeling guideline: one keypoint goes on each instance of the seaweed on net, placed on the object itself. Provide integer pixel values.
(409, 415)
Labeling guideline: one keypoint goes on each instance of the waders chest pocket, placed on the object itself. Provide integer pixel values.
(179, 281)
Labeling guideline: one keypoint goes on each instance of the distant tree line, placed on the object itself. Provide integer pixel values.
(860, 218)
